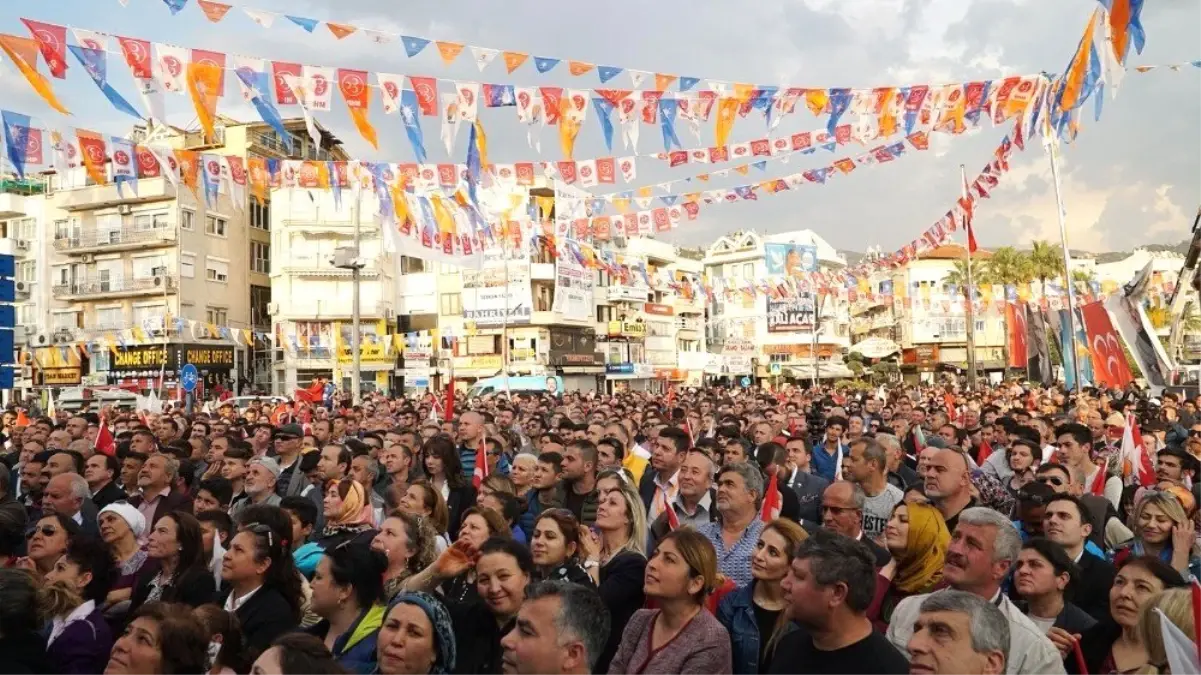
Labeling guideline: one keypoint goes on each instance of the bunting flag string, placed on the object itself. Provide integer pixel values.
(449, 52)
(876, 113)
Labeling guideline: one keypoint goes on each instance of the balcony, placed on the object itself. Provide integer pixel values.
(689, 328)
(542, 271)
(652, 249)
(99, 289)
(693, 305)
(272, 144)
(103, 196)
(12, 205)
(313, 267)
(127, 238)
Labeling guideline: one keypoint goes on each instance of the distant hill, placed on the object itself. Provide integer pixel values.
(855, 257)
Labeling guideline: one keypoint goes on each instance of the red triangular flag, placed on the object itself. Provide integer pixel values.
(983, 453)
(1098, 486)
(773, 501)
(105, 444)
(481, 464)
(968, 204)
(673, 520)
(449, 409)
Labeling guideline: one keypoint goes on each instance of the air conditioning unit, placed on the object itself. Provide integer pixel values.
(40, 340)
(389, 315)
(22, 288)
(87, 258)
(272, 308)
(125, 209)
(21, 244)
(63, 336)
(162, 281)
(30, 330)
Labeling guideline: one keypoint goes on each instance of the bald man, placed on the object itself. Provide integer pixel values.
(948, 484)
(471, 432)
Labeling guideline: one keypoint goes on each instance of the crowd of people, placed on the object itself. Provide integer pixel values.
(909, 529)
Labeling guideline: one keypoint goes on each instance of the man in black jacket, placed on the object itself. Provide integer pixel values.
(1065, 522)
(101, 472)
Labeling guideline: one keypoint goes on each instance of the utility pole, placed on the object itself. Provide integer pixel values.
(348, 258)
(1052, 147)
(969, 307)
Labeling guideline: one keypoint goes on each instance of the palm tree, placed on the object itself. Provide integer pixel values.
(1010, 267)
(1046, 262)
(957, 277)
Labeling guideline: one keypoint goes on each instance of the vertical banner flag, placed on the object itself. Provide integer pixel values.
(356, 93)
(123, 167)
(409, 107)
(1109, 361)
(1015, 319)
(141, 65)
(258, 97)
(52, 41)
(95, 62)
(91, 147)
(17, 139)
(203, 80)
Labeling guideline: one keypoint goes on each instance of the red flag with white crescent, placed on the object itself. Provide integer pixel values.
(773, 501)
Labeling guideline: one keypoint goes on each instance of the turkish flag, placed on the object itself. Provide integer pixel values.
(1109, 361)
(1015, 317)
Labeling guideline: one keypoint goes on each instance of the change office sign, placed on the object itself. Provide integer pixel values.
(790, 315)
(499, 292)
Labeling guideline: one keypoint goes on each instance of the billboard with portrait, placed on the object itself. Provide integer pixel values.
(791, 260)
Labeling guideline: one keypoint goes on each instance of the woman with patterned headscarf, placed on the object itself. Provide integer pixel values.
(347, 518)
(417, 637)
(917, 537)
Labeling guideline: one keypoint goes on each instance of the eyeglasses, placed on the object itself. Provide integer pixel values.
(1050, 480)
(46, 530)
(1194, 433)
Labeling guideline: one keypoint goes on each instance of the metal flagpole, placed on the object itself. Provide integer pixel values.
(504, 327)
(969, 303)
(356, 335)
(1052, 150)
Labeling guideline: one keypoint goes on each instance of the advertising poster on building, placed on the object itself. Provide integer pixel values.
(499, 292)
(790, 314)
(573, 284)
(418, 352)
(791, 260)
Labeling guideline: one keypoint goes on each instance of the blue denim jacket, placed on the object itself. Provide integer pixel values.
(737, 613)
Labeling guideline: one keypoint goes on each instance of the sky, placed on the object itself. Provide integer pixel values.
(1130, 179)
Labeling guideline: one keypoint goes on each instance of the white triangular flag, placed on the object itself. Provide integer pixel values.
(484, 56)
(637, 77)
(302, 98)
(1180, 650)
(261, 17)
(450, 120)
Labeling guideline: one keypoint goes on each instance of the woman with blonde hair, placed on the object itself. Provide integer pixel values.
(678, 636)
(615, 557)
(1162, 528)
(917, 538)
(408, 542)
(1177, 605)
(754, 615)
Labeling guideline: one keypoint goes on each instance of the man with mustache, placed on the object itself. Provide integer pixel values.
(984, 546)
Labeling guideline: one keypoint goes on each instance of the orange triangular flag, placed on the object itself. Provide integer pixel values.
(449, 51)
(816, 99)
(22, 419)
(204, 78)
(663, 81)
(742, 169)
(215, 11)
(514, 60)
(727, 108)
(24, 54)
(341, 30)
(578, 68)
(189, 169)
(569, 128)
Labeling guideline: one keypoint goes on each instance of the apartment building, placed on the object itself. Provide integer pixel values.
(97, 261)
(781, 338)
(312, 297)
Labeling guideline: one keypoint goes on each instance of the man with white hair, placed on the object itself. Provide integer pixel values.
(983, 548)
(68, 494)
(959, 633)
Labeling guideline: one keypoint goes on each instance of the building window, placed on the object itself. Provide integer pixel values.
(260, 298)
(452, 304)
(148, 316)
(215, 315)
(214, 226)
(27, 270)
(27, 315)
(216, 270)
(260, 257)
(150, 266)
(260, 215)
(411, 265)
(110, 317)
(149, 221)
(186, 219)
(187, 265)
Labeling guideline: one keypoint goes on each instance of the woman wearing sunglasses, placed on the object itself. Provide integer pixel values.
(47, 541)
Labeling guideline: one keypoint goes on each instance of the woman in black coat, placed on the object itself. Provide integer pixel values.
(445, 473)
(264, 587)
(175, 569)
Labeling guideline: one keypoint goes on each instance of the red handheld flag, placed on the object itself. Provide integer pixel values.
(773, 501)
(105, 444)
(1098, 486)
(449, 411)
(983, 453)
(481, 464)
(673, 519)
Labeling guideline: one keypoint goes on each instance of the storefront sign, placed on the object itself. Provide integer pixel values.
(488, 362)
(619, 369)
(141, 357)
(658, 309)
(207, 358)
(633, 329)
(60, 376)
(573, 348)
(789, 315)
(213, 358)
(627, 294)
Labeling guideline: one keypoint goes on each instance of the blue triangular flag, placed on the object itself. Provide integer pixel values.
(95, 62)
(175, 5)
(545, 64)
(267, 111)
(668, 107)
(410, 115)
(604, 111)
(831, 146)
(607, 73)
(669, 200)
(761, 165)
(16, 139)
(413, 45)
(687, 83)
(840, 101)
(304, 22)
